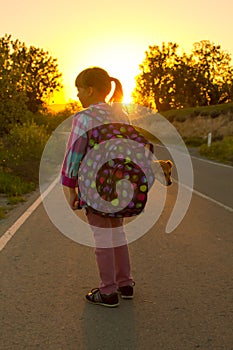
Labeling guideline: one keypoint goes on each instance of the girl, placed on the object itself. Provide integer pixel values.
(112, 256)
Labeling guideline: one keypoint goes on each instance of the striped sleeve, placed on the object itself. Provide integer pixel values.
(76, 148)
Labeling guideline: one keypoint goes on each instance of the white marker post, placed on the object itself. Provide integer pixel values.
(209, 139)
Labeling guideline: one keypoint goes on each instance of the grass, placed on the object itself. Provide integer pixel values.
(221, 151)
(194, 141)
(183, 114)
(20, 155)
(14, 186)
(222, 148)
(12, 200)
(2, 212)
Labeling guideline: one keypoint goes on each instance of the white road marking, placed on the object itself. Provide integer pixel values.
(205, 197)
(19, 222)
(213, 201)
(212, 162)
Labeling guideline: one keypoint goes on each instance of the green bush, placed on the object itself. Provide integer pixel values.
(14, 186)
(48, 120)
(194, 141)
(215, 114)
(22, 150)
(180, 118)
(195, 113)
(219, 150)
(12, 200)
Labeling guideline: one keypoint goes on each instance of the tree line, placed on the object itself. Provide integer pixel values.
(169, 80)
(28, 77)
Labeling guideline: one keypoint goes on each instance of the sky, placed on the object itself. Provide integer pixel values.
(113, 35)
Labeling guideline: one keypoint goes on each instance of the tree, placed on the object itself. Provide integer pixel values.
(168, 80)
(12, 99)
(41, 77)
(187, 82)
(154, 85)
(214, 65)
(28, 77)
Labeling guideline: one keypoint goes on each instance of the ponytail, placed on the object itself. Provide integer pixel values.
(118, 92)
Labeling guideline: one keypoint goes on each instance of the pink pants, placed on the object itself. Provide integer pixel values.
(112, 255)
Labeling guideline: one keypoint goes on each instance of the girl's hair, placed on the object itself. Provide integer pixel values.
(100, 79)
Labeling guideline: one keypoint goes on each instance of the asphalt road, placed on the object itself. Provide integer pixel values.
(212, 179)
(184, 282)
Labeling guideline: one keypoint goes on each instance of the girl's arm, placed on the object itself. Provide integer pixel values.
(75, 151)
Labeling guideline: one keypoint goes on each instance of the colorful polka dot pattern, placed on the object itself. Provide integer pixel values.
(129, 165)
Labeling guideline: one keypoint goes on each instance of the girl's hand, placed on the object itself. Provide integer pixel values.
(73, 199)
(71, 196)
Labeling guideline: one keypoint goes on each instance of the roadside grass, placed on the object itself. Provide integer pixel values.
(2, 212)
(12, 200)
(182, 114)
(14, 187)
(194, 141)
(221, 151)
(20, 155)
(194, 121)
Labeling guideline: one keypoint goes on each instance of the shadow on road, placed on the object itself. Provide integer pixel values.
(105, 328)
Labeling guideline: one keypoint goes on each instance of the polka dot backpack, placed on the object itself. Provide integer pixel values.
(116, 173)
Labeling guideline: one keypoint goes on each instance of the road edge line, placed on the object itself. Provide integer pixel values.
(6, 237)
(202, 195)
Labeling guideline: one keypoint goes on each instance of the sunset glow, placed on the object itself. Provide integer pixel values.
(115, 38)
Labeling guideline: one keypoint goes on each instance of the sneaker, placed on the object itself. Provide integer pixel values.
(126, 292)
(109, 300)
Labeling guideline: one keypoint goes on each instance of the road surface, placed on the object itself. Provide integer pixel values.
(184, 281)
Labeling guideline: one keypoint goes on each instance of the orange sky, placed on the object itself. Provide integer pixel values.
(113, 35)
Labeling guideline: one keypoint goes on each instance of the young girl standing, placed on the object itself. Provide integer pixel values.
(94, 85)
